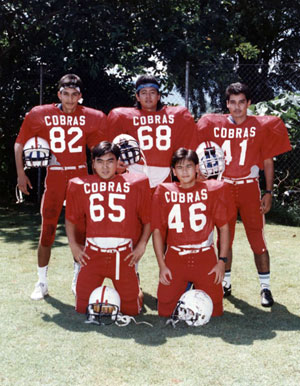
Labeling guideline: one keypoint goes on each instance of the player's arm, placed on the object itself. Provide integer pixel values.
(219, 268)
(137, 253)
(77, 249)
(23, 180)
(266, 201)
(165, 274)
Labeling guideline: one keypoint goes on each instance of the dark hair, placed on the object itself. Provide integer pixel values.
(182, 154)
(237, 88)
(144, 79)
(70, 80)
(105, 147)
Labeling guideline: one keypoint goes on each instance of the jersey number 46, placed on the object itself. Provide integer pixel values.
(197, 220)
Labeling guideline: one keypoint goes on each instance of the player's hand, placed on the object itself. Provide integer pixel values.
(165, 275)
(266, 203)
(136, 255)
(23, 182)
(79, 254)
(219, 270)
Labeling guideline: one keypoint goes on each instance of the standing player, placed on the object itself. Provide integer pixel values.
(249, 144)
(159, 130)
(183, 217)
(116, 210)
(68, 128)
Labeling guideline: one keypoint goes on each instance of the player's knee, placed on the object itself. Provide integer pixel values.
(166, 294)
(258, 249)
(81, 306)
(131, 308)
(47, 235)
(218, 309)
(50, 213)
(166, 309)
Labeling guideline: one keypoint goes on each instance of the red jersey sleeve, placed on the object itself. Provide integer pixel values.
(186, 130)
(276, 136)
(31, 126)
(98, 130)
(114, 124)
(203, 127)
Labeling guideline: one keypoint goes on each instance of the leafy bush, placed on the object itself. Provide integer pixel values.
(287, 172)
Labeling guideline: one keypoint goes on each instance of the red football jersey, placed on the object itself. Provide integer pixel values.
(159, 133)
(115, 208)
(67, 134)
(245, 146)
(188, 216)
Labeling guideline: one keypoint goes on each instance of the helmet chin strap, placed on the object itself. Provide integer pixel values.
(124, 320)
(19, 196)
(219, 178)
(172, 321)
(121, 321)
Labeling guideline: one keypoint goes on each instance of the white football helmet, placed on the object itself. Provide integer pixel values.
(36, 152)
(129, 147)
(104, 306)
(211, 159)
(194, 307)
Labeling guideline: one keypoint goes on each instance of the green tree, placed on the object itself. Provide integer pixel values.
(287, 174)
(108, 42)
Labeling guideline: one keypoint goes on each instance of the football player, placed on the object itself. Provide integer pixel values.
(249, 144)
(184, 214)
(116, 210)
(68, 128)
(159, 129)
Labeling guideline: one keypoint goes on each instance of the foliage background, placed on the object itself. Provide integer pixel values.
(287, 174)
(109, 42)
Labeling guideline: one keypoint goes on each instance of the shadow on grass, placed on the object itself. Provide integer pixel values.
(244, 328)
(21, 223)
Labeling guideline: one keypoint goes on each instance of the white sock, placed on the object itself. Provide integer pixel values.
(227, 279)
(42, 274)
(264, 279)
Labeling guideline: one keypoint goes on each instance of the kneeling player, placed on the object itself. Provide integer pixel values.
(184, 216)
(116, 211)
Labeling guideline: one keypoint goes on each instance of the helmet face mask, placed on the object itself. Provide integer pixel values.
(99, 313)
(104, 306)
(194, 307)
(36, 153)
(211, 159)
(130, 152)
(187, 315)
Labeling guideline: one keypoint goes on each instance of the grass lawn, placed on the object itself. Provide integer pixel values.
(47, 343)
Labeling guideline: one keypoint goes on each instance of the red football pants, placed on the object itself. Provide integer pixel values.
(101, 266)
(54, 195)
(246, 198)
(189, 268)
